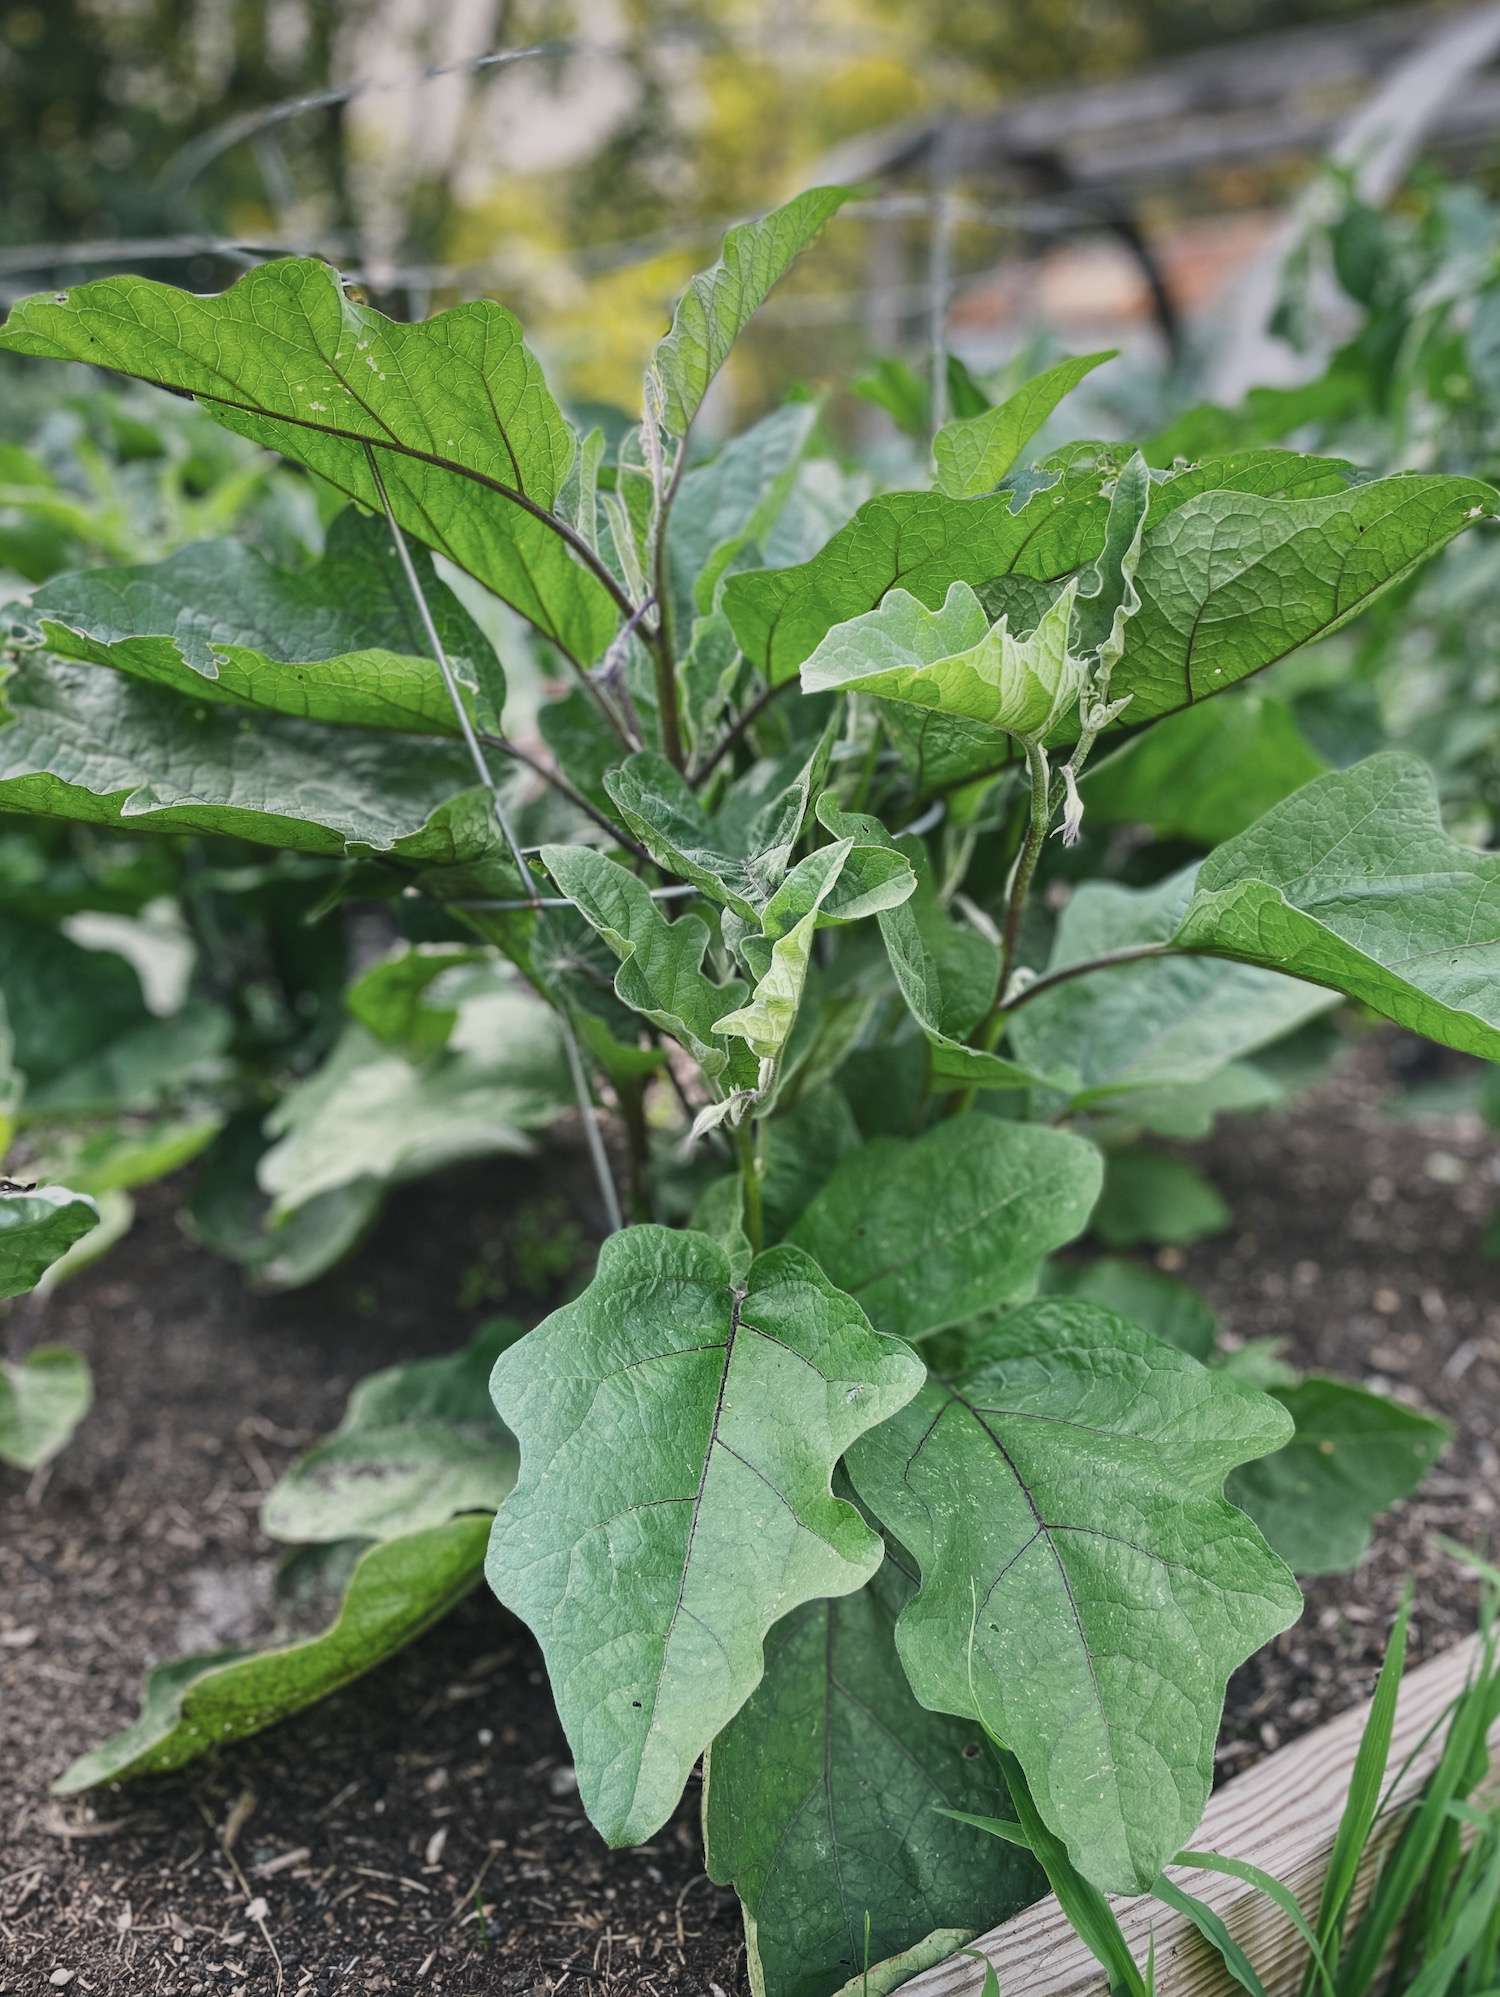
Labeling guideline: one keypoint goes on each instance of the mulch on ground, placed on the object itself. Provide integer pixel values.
(421, 1832)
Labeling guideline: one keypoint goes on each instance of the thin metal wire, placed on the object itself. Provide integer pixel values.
(673, 893)
(587, 1109)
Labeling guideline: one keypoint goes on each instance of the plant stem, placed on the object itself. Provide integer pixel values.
(505, 747)
(1026, 862)
(668, 715)
(755, 1214)
(748, 718)
(1133, 953)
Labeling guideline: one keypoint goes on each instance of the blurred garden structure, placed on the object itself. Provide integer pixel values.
(1094, 172)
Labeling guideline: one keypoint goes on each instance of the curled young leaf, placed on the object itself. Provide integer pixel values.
(955, 661)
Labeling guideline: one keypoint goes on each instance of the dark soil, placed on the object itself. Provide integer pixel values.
(421, 1832)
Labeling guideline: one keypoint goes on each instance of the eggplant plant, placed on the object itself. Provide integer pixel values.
(838, 1476)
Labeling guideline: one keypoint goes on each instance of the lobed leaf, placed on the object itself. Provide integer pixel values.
(678, 1433)
(1085, 1590)
(399, 1589)
(1241, 560)
(997, 1197)
(453, 412)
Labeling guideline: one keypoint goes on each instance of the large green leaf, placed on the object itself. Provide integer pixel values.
(370, 1114)
(1231, 581)
(954, 661)
(418, 1444)
(35, 1230)
(823, 1797)
(399, 1589)
(1086, 1591)
(974, 454)
(929, 1233)
(1353, 883)
(1354, 1454)
(678, 1433)
(43, 1398)
(96, 746)
(1242, 560)
(467, 438)
(1165, 1021)
(720, 301)
(661, 971)
(1204, 774)
(339, 641)
(923, 541)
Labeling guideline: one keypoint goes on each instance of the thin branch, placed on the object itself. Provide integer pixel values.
(1134, 953)
(748, 718)
(504, 746)
(1039, 817)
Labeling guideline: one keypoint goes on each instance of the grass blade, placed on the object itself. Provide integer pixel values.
(1213, 1931)
(1460, 1766)
(1364, 1797)
(1281, 1896)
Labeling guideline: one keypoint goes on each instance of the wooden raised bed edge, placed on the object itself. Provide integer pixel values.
(1280, 1815)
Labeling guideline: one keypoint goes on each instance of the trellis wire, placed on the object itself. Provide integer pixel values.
(587, 1109)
